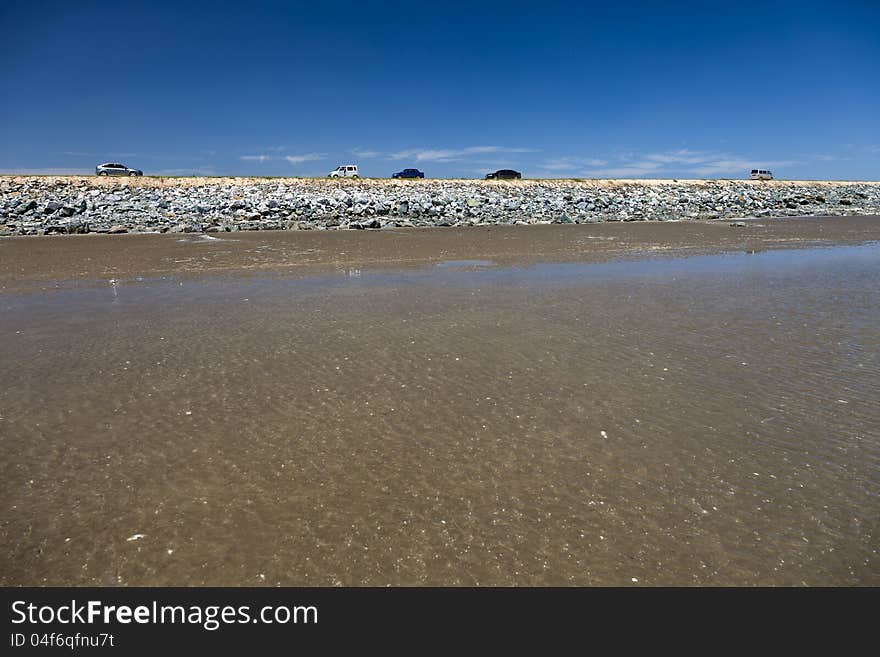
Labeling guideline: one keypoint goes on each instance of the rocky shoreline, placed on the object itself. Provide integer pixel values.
(81, 204)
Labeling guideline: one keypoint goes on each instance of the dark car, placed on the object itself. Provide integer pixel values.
(504, 173)
(408, 173)
(116, 169)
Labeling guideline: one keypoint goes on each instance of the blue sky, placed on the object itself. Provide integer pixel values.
(553, 89)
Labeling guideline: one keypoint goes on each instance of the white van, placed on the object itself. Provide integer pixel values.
(761, 174)
(345, 171)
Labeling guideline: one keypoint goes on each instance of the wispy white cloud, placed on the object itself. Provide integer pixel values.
(683, 156)
(452, 154)
(299, 159)
(721, 167)
(366, 154)
(293, 159)
(683, 161)
(631, 171)
(427, 155)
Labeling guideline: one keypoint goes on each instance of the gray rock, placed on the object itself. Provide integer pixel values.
(26, 207)
(47, 205)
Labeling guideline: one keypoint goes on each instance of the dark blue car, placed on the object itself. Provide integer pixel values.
(408, 173)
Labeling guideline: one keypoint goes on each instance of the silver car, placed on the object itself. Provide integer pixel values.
(116, 169)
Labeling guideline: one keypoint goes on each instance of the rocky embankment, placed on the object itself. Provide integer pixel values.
(50, 205)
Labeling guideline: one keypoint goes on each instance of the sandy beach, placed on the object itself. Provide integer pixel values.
(27, 262)
(687, 403)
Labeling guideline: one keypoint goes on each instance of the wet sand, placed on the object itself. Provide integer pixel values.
(614, 404)
(31, 263)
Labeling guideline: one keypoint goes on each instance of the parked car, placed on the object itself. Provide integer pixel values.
(344, 171)
(116, 169)
(409, 173)
(504, 173)
(761, 174)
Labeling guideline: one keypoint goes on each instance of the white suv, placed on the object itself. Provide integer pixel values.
(346, 171)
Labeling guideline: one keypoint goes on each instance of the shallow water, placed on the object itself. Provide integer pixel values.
(712, 420)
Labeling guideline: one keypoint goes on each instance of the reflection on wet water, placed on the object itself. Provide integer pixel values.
(708, 420)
